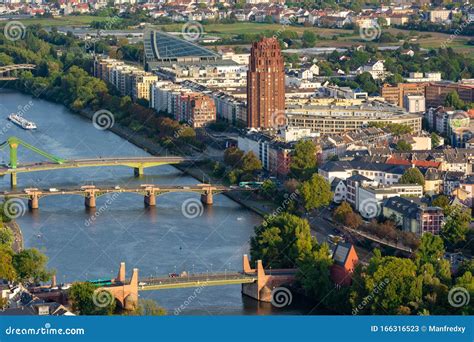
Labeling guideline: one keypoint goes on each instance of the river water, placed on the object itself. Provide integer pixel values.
(157, 240)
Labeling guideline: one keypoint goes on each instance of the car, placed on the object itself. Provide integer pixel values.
(142, 283)
(117, 187)
(53, 190)
(173, 275)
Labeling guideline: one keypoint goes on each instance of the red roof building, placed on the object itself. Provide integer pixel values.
(417, 163)
(345, 259)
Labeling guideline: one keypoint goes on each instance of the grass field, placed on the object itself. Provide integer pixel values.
(80, 20)
(347, 39)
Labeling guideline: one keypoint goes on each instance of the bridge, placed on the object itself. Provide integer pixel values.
(5, 71)
(256, 283)
(92, 192)
(55, 163)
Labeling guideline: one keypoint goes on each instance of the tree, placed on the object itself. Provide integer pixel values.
(308, 38)
(431, 249)
(466, 281)
(441, 201)
(148, 307)
(353, 220)
(7, 271)
(281, 241)
(388, 286)
(316, 192)
(233, 157)
(456, 226)
(6, 237)
(412, 176)
(314, 274)
(342, 211)
(403, 146)
(453, 100)
(303, 160)
(435, 140)
(269, 189)
(251, 163)
(30, 265)
(394, 79)
(87, 299)
(367, 83)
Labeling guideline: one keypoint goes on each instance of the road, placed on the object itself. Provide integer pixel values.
(322, 228)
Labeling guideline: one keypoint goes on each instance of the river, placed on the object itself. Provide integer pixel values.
(157, 241)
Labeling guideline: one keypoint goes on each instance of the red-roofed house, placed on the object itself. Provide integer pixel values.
(417, 163)
(345, 259)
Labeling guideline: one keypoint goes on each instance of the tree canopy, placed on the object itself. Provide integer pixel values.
(282, 241)
(412, 176)
(316, 192)
(303, 160)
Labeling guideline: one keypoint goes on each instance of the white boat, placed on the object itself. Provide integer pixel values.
(21, 121)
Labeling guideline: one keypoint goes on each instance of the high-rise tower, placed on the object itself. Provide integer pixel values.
(266, 85)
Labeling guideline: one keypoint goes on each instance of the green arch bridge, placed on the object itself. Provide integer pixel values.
(13, 168)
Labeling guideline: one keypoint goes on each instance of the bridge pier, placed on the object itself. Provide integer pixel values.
(126, 293)
(89, 201)
(207, 198)
(13, 179)
(33, 202)
(150, 200)
(138, 171)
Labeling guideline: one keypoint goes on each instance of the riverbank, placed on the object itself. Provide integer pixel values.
(17, 245)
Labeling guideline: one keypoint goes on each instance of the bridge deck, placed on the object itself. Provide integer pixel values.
(69, 164)
(163, 283)
(25, 193)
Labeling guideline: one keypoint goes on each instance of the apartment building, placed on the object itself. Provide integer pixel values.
(397, 94)
(436, 92)
(413, 217)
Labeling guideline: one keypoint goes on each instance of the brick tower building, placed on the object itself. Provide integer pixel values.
(266, 85)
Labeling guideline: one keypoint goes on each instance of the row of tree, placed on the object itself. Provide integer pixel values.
(62, 76)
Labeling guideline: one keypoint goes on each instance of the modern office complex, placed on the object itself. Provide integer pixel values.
(163, 49)
(335, 119)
